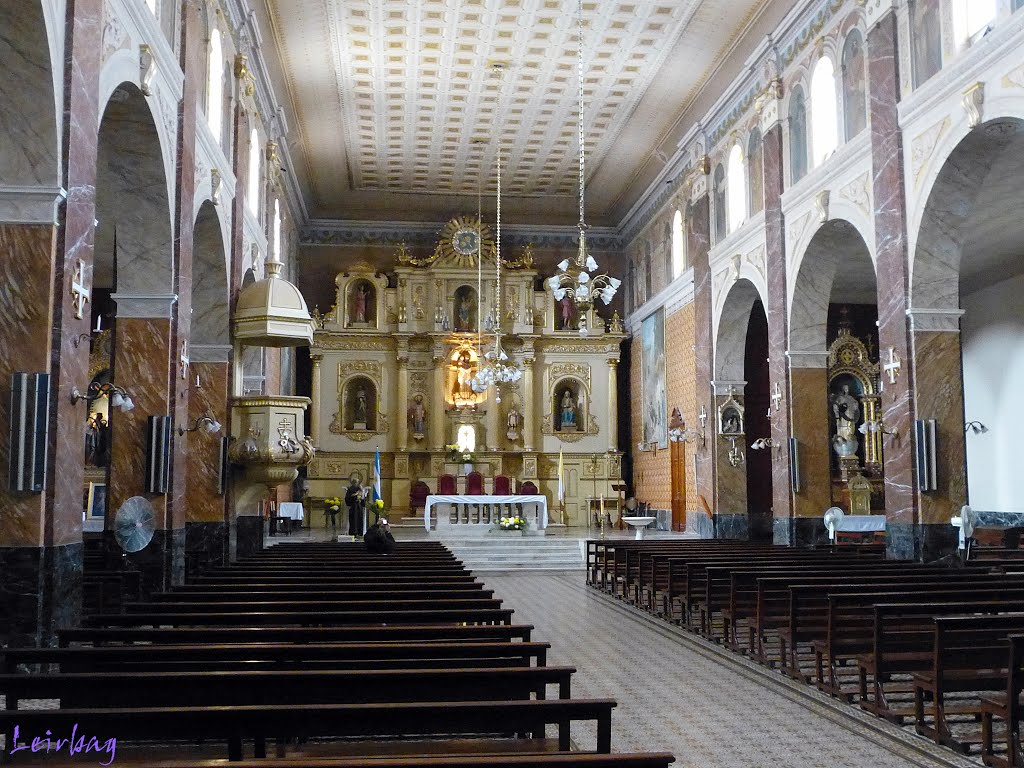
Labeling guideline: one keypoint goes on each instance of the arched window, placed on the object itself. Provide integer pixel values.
(466, 438)
(254, 173)
(824, 128)
(678, 246)
(797, 135)
(926, 39)
(719, 203)
(277, 230)
(854, 92)
(215, 86)
(151, 4)
(971, 17)
(736, 186)
(755, 172)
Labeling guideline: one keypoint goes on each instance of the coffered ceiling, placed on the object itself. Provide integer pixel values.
(401, 110)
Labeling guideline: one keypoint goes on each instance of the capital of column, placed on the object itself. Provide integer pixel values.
(317, 359)
(209, 353)
(876, 10)
(159, 306)
(943, 320)
(798, 359)
(30, 205)
(723, 386)
(767, 105)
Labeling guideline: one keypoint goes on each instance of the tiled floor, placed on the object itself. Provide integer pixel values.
(680, 694)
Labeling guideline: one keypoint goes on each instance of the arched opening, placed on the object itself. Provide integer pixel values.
(926, 39)
(755, 173)
(737, 189)
(362, 304)
(854, 89)
(359, 404)
(720, 203)
(210, 324)
(678, 245)
(971, 19)
(833, 337)
(568, 406)
(824, 111)
(970, 256)
(797, 135)
(466, 309)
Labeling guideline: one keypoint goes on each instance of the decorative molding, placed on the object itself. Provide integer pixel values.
(136, 306)
(941, 320)
(922, 147)
(857, 193)
(210, 353)
(335, 341)
(876, 10)
(30, 205)
(807, 359)
(369, 368)
(973, 102)
(579, 371)
(821, 201)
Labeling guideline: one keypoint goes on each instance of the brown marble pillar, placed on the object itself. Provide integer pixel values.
(809, 425)
(778, 328)
(732, 520)
(205, 527)
(905, 538)
(698, 243)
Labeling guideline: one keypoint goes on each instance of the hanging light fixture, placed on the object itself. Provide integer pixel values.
(581, 279)
(495, 368)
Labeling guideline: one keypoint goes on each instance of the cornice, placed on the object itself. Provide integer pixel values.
(672, 297)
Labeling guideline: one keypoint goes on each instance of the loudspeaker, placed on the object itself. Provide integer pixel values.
(794, 464)
(30, 417)
(925, 455)
(158, 454)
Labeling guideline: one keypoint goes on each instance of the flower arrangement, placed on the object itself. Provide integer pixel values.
(457, 454)
(514, 523)
(333, 504)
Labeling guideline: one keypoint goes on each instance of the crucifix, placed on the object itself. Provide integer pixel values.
(702, 417)
(79, 290)
(184, 359)
(893, 366)
(776, 398)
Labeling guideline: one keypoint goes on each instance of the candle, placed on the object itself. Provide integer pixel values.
(99, 323)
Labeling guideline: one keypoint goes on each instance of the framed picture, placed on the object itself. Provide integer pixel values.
(730, 419)
(652, 379)
(96, 506)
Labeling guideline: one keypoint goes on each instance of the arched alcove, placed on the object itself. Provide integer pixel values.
(359, 404)
(464, 309)
(361, 304)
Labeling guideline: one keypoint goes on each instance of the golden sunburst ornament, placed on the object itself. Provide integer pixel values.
(462, 238)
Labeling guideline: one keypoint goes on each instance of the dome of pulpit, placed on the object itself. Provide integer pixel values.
(272, 313)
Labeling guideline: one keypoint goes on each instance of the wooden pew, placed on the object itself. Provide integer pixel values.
(517, 760)
(301, 603)
(313, 618)
(1005, 706)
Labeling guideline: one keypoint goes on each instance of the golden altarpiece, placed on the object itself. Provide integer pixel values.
(392, 365)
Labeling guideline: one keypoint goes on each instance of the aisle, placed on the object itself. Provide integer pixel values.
(681, 695)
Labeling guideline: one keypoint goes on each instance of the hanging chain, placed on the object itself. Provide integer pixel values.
(479, 261)
(579, 74)
(497, 255)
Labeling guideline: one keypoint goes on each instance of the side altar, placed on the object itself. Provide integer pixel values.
(394, 358)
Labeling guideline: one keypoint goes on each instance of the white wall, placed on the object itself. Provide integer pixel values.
(993, 358)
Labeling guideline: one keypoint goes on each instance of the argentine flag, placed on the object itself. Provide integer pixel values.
(376, 494)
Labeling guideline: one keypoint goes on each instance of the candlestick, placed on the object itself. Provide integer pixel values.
(99, 323)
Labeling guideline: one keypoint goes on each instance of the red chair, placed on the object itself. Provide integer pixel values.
(418, 496)
(446, 487)
(475, 487)
(502, 487)
(527, 489)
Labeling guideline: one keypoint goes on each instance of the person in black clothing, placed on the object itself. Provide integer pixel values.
(378, 538)
(354, 502)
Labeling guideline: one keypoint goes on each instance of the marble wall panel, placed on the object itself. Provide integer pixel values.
(698, 241)
(203, 501)
(248, 537)
(701, 524)
(891, 256)
(809, 414)
(162, 562)
(40, 593)
(206, 545)
(730, 526)
(26, 259)
(69, 363)
(142, 356)
(939, 395)
(730, 481)
(924, 543)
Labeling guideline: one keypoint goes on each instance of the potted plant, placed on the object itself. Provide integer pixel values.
(457, 454)
(512, 523)
(332, 506)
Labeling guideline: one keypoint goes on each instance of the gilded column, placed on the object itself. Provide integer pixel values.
(613, 404)
(492, 419)
(530, 412)
(314, 412)
(436, 416)
(402, 406)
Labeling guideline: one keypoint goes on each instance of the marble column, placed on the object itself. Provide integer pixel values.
(732, 520)
(206, 532)
(613, 405)
(698, 244)
(809, 425)
(904, 535)
(530, 411)
(939, 395)
(437, 411)
(402, 400)
(314, 412)
(143, 366)
(778, 325)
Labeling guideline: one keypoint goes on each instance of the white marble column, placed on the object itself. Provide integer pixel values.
(314, 413)
(402, 406)
(530, 413)
(436, 424)
(491, 418)
(613, 404)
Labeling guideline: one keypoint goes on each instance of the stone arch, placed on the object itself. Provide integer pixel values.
(581, 398)
(731, 337)
(132, 200)
(30, 115)
(836, 245)
(210, 294)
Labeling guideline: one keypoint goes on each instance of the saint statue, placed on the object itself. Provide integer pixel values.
(566, 308)
(462, 390)
(92, 440)
(361, 298)
(418, 415)
(846, 410)
(568, 410)
(513, 421)
(360, 410)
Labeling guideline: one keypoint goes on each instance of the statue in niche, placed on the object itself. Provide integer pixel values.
(513, 422)
(567, 411)
(846, 411)
(360, 304)
(360, 408)
(465, 310)
(462, 390)
(102, 453)
(418, 417)
(566, 311)
(92, 439)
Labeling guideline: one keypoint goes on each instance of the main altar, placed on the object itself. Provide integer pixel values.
(393, 364)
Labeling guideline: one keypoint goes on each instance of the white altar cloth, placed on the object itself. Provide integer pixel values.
(541, 501)
(861, 523)
(291, 509)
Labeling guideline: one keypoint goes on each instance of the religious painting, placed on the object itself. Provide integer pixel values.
(362, 304)
(926, 39)
(464, 320)
(730, 419)
(854, 89)
(652, 377)
(360, 404)
(96, 504)
(462, 368)
(797, 135)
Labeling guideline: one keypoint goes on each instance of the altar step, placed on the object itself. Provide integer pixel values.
(523, 553)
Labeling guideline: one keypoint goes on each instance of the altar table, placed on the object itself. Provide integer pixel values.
(861, 523)
(540, 501)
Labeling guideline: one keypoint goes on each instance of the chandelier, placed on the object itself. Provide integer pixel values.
(581, 279)
(495, 368)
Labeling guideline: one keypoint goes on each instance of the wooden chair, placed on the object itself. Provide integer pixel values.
(418, 496)
(446, 486)
(502, 487)
(475, 487)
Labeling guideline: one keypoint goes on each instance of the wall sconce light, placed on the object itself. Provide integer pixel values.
(205, 423)
(88, 336)
(762, 443)
(119, 397)
(877, 426)
(735, 454)
(976, 427)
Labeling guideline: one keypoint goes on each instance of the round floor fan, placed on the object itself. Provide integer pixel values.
(833, 517)
(965, 521)
(134, 524)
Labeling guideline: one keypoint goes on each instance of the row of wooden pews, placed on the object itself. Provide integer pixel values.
(334, 656)
(939, 646)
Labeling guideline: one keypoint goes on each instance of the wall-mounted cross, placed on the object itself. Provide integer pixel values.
(79, 290)
(776, 397)
(184, 359)
(893, 366)
(702, 417)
